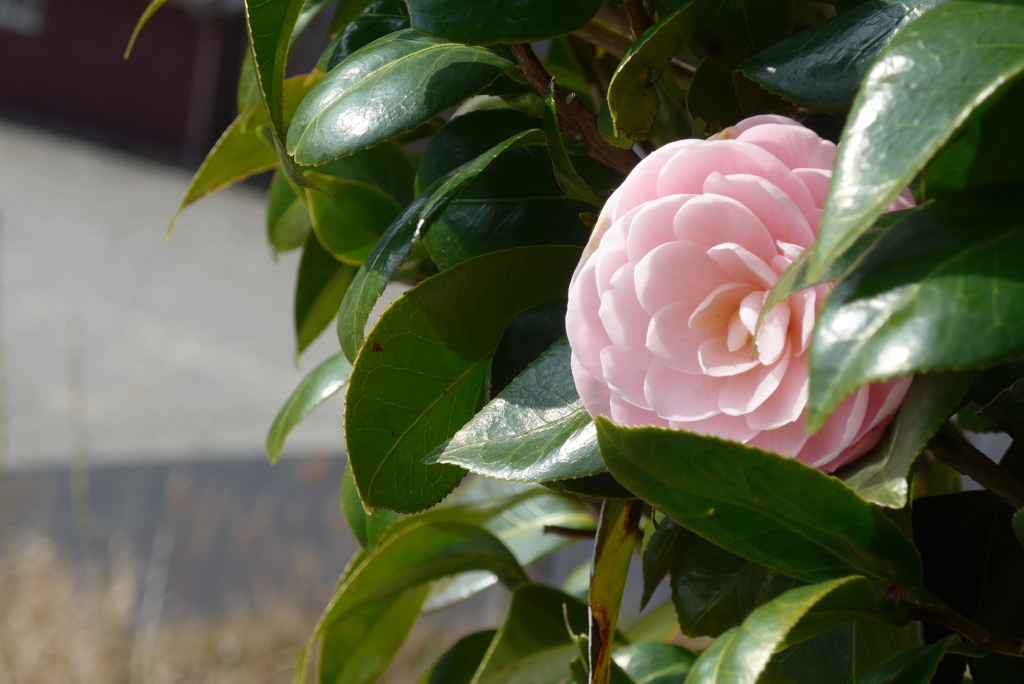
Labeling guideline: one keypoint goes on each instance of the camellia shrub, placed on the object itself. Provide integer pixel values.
(720, 285)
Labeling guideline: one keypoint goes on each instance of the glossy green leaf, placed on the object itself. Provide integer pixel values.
(346, 12)
(921, 89)
(659, 624)
(535, 430)
(515, 202)
(147, 14)
(376, 21)
(368, 529)
(322, 283)
(323, 382)
(822, 68)
(600, 486)
(779, 503)
(658, 549)
(485, 22)
(613, 550)
(712, 97)
(349, 216)
(383, 166)
(655, 663)
(460, 662)
(632, 97)
(388, 87)
(730, 31)
(398, 242)
(913, 666)
(288, 223)
(271, 24)
(714, 590)
(529, 335)
(521, 528)
(421, 373)
(569, 179)
(841, 655)
(937, 292)
(883, 475)
(533, 644)
(740, 655)
(247, 94)
(358, 647)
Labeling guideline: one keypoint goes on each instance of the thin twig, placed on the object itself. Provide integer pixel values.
(574, 117)
(950, 447)
(967, 628)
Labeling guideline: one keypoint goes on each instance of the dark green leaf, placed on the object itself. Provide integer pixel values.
(322, 283)
(714, 590)
(388, 87)
(534, 641)
(288, 223)
(346, 12)
(349, 216)
(600, 486)
(357, 648)
(740, 655)
(384, 166)
(420, 375)
(632, 97)
(147, 14)
(921, 89)
(883, 475)
(460, 662)
(529, 335)
(322, 383)
(658, 549)
(712, 97)
(378, 20)
(484, 22)
(1018, 526)
(398, 242)
(913, 666)
(782, 514)
(939, 291)
(535, 430)
(730, 31)
(613, 550)
(368, 529)
(655, 663)
(821, 68)
(515, 202)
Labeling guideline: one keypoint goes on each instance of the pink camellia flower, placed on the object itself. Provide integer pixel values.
(664, 304)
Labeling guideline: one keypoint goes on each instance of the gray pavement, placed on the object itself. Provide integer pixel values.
(132, 350)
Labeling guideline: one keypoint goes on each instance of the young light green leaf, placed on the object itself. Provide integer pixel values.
(460, 662)
(740, 655)
(421, 373)
(535, 430)
(632, 98)
(368, 529)
(485, 22)
(323, 382)
(921, 89)
(883, 475)
(937, 292)
(821, 68)
(824, 528)
(349, 216)
(288, 223)
(398, 242)
(147, 14)
(388, 87)
(655, 663)
(321, 285)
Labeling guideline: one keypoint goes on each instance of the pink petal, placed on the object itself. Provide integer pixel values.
(583, 325)
(593, 391)
(884, 398)
(772, 206)
(839, 431)
(795, 146)
(673, 342)
(673, 272)
(739, 263)
(733, 132)
(716, 359)
(679, 396)
(612, 254)
(719, 307)
(652, 226)
(785, 441)
(624, 319)
(711, 220)
(816, 181)
(787, 402)
(744, 393)
(642, 183)
(773, 335)
(686, 171)
(624, 376)
(726, 427)
(905, 200)
(625, 413)
(803, 308)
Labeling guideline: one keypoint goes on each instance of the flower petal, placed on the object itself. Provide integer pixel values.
(739, 263)
(679, 396)
(675, 272)
(642, 183)
(839, 431)
(593, 391)
(652, 225)
(712, 220)
(773, 335)
(719, 307)
(624, 320)
(795, 146)
(787, 402)
(772, 206)
(624, 376)
(816, 181)
(745, 392)
(716, 359)
(625, 413)
(583, 325)
(785, 441)
(723, 426)
(673, 342)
